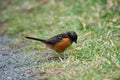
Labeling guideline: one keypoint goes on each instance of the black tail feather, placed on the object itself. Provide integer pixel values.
(42, 40)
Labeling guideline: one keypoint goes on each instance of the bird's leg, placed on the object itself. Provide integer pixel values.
(60, 58)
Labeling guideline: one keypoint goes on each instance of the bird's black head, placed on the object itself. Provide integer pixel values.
(73, 36)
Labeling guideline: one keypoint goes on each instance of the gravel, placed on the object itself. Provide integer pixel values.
(13, 63)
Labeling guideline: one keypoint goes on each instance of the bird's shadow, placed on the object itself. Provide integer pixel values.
(52, 57)
(57, 58)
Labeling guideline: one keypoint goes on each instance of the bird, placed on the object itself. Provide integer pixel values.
(60, 42)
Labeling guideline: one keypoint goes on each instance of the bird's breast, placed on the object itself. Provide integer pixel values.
(62, 45)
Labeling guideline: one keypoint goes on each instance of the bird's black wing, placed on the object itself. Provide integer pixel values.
(56, 38)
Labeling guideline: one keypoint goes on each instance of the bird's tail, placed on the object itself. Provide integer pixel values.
(42, 40)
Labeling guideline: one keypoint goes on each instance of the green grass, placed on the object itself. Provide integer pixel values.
(96, 56)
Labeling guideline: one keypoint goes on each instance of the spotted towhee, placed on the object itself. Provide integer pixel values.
(59, 42)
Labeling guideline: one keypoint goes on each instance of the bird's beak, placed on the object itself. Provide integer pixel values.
(76, 41)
